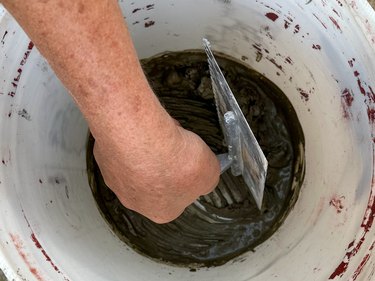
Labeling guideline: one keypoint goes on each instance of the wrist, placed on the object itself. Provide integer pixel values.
(142, 131)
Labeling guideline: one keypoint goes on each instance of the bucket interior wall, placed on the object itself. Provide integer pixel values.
(318, 53)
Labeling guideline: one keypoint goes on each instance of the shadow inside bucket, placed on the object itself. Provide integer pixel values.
(229, 223)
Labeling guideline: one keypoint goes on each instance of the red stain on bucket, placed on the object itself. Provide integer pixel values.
(359, 269)
(20, 249)
(347, 99)
(335, 23)
(371, 115)
(371, 94)
(19, 70)
(336, 202)
(322, 23)
(366, 225)
(39, 246)
(272, 16)
(359, 82)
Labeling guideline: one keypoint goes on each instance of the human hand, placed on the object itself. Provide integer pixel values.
(161, 178)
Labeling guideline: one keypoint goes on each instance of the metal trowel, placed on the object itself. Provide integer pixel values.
(244, 157)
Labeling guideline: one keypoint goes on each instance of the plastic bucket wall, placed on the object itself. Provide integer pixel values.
(319, 53)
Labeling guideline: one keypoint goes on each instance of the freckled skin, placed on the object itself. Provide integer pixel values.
(81, 7)
(90, 49)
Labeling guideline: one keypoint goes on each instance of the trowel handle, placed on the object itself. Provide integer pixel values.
(225, 162)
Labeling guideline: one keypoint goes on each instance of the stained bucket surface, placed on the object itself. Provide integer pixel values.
(319, 53)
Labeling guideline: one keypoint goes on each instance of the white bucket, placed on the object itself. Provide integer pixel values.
(320, 53)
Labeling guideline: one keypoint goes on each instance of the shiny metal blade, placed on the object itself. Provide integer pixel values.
(246, 156)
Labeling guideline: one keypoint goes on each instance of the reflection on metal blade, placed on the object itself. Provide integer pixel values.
(244, 153)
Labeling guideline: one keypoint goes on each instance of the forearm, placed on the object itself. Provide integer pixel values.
(154, 166)
(90, 49)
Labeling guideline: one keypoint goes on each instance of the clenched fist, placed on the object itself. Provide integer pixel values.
(161, 178)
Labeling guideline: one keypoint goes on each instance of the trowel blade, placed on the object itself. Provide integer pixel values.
(247, 157)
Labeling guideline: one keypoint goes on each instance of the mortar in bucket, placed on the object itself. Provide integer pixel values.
(317, 52)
